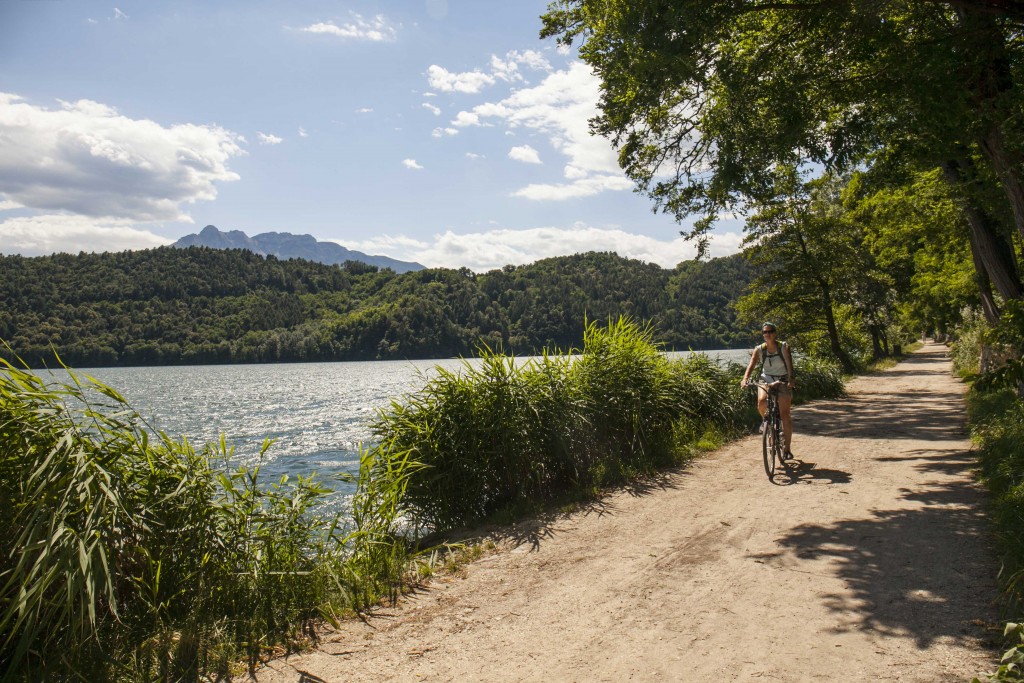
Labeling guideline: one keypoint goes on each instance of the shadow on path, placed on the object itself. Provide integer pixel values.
(910, 572)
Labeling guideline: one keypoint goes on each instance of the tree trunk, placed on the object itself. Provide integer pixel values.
(991, 85)
(993, 256)
(833, 331)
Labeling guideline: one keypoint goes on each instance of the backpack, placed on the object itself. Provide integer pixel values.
(762, 350)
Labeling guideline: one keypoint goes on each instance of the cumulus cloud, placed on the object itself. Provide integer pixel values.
(46, 234)
(583, 187)
(500, 68)
(466, 82)
(482, 251)
(268, 138)
(85, 158)
(411, 163)
(559, 108)
(525, 153)
(465, 118)
(441, 132)
(303, 133)
(378, 29)
(507, 68)
(364, 110)
(474, 156)
(433, 109)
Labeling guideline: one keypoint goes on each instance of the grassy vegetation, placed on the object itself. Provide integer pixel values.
(129, 555)
(500, 440)
(125, 556)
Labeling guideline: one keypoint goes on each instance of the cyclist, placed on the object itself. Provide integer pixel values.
(776, 366)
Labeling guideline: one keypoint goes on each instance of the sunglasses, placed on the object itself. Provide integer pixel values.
(767, 331)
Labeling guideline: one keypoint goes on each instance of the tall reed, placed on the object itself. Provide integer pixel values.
(130, 556)
(503, 437)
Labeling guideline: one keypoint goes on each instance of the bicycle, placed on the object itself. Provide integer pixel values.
(773, 445)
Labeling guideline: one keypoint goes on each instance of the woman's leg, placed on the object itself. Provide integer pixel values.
(762, 402)
(787, 418)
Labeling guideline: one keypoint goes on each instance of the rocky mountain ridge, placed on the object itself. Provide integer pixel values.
(286, 245)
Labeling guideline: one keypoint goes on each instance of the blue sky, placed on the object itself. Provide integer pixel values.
(438, 131)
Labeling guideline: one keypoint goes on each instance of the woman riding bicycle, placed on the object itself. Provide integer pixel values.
(776, 366)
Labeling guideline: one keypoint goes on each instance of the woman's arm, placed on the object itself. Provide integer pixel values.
(750, 367)
(791, 367)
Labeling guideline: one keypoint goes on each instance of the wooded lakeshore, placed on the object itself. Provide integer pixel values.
(199, 305)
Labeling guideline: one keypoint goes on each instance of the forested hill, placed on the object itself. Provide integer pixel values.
(201, 305)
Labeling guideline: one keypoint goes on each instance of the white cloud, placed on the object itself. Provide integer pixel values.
(268, 138)
(40, 235)
(86, 158)
(119, 15)
(8, 205)
(481, 251)
(559, 108)
(435, 110)
(440, 132)
(365, 110)
(507, 69)
(525, 153)
(303, 133)
(377, 29)
(465, 118)
(584, 187)
(474, 156)
(504, 69)
(411, 163)
(531, 58)
(573, 173)
(466, 82)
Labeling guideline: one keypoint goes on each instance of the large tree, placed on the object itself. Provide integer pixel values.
(704, 98)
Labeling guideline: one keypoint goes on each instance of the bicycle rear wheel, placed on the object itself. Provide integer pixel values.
(770, 448)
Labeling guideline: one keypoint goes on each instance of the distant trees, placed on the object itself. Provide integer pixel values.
(200, 305)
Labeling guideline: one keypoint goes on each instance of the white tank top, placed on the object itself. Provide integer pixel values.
(773, 365)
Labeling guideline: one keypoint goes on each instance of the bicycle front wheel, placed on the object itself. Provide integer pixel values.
(769, 448)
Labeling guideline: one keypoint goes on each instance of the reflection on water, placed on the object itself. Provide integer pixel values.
(317, 413)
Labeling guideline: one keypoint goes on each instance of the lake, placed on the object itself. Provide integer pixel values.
(317, 413)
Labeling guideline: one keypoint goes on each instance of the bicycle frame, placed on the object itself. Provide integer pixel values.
(772, 440)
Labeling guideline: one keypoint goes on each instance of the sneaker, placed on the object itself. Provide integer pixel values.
(764, 423)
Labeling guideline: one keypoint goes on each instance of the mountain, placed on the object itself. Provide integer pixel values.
(285, 245)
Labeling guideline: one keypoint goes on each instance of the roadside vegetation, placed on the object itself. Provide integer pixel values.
(131, 555)
(991, 358)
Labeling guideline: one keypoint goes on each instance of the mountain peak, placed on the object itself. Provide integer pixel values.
(285, 245)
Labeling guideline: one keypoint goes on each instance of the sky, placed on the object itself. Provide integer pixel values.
(444, 132)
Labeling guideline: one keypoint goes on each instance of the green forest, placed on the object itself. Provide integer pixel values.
(201, 305)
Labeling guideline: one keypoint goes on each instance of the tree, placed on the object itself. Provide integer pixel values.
(802, 244)
(704, 98)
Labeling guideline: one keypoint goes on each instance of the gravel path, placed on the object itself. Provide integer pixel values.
(870, 561)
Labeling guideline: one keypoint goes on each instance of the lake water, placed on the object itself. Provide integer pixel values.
(317, 413)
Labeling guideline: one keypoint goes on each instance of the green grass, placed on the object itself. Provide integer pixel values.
(997, 428)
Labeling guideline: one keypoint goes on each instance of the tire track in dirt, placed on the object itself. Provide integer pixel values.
(868, 561)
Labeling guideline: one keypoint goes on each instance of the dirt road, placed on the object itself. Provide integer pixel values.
(871, 562)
